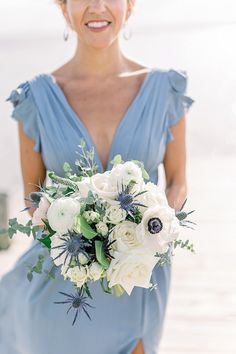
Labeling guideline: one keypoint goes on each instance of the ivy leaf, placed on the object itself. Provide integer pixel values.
(85, 228)
(29, 276)
(100, 255)
(11, 232)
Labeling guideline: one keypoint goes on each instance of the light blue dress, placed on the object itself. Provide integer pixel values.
(29, 321)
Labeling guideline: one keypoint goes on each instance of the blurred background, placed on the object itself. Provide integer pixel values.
(197, 36)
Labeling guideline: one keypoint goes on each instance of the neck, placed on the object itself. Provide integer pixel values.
(100, 63)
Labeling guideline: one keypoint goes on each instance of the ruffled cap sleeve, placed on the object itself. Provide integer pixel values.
(179, 103)
(25, 111)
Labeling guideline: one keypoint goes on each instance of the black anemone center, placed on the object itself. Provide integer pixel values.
(76, 302)
(155, 225)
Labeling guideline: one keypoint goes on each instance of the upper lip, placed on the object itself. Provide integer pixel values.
(102, 20)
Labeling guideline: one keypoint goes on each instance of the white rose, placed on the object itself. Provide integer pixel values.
(91, 216)
(61, 214)
(41, 212)
(133, 268)
(100, 184)
(95, 271)
(125, 236)
(123, 174)
(56, 243)
(158, 228)
(114, 214)
(78, 275)
(102, 228)
(153, 196)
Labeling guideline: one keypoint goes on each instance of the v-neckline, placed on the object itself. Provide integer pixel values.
(80, 122)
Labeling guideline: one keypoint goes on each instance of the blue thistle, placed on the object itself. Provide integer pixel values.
(127, 199)
(182, 216)
(107, 247)
(73, 245)
(34, 199)
(77, 301)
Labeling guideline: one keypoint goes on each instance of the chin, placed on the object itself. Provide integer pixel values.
(101, 45)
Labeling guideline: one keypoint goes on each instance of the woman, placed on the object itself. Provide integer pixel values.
(117, 106)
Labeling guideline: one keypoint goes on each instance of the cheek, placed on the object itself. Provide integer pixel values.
(75, 13)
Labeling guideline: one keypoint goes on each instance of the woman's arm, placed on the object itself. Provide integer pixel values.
(175, 166)
(32, 166)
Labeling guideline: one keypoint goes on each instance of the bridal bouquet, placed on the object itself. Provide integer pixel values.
(114, 227)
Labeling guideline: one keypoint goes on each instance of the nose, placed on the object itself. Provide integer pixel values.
(97, 6)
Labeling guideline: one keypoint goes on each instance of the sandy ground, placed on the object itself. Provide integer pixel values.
(201, 316)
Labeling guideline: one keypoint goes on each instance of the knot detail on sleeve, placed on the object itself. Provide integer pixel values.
(25, 111)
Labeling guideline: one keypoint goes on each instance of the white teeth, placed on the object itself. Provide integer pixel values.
(97, 24)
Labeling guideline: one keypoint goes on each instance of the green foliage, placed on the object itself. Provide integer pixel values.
(90, 199)
(37, 268)
(165, 258)
(85, 229)
(67, 169)
(63, 181)
(87, 290)
(100, 255)
(50, 272)
(184, 244)
(105, 287)
(46, 241)
(137, 216)
(49, 229)
(86, 164)
(27, 229)
(116, 160)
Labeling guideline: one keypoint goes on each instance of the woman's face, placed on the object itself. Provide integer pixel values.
(97, 22)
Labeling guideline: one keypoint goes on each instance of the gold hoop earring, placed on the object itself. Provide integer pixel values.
(127, 32)
(66, 33)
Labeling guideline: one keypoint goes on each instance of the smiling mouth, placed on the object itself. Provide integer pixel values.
(98, 25)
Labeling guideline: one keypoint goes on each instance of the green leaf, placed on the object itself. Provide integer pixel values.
(82, 143)
(13, 222)
(85, 228)
(100, 255)
(50, 230)
(46, 241)
(29, 276)
(11, 232)
(117, 159)
(105, 289)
